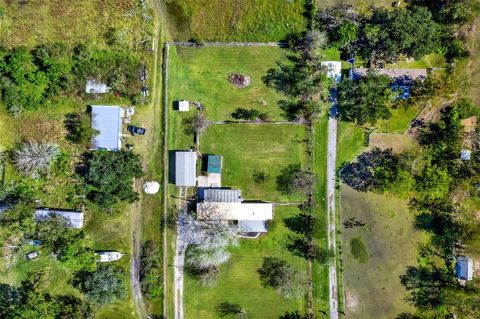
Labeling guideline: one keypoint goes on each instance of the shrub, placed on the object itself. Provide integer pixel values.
(293, 179)
(79, 128)
(358, 250)
(259, 177)
(282, 277)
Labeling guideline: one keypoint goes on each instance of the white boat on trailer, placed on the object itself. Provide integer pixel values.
(107, 256)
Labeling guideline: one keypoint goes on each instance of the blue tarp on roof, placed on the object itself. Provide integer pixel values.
(214, 164)
(107, 120)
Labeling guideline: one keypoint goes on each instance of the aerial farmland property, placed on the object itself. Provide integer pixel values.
(282, 159)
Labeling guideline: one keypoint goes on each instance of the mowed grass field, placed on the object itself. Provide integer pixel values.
(249, 148)
(235, 20)
(373, 289)
(201, 74)
(239, 282)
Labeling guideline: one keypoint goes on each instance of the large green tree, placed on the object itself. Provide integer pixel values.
(365, 100)
(102, 286)
(109, 177)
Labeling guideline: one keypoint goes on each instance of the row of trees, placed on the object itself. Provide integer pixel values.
(386, 35)
(38, 78)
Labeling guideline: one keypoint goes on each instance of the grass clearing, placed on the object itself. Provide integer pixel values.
(400, 120)
(247, 148)
(373, 289)
(350, 142)
(237, 20)
(201, 74)
(239, 281)
(30, 23)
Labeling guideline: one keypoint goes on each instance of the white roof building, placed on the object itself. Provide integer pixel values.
(465, 155)
(246, 211)
(74, 218)
(96, 87)
(185, 168)
(107, 120)
(334, 69)
(183, 106)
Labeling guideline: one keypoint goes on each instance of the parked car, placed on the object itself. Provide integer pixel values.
(136, 130)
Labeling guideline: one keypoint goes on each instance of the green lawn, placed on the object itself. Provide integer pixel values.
(235, 20)
(201, 74)
(246, 148)
(350, 142)
(239, 282)
(320, 272)
(400, 120)
(373, 289)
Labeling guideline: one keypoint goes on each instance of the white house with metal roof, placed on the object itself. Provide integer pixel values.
(74, 218)
(228, 204)
(185, 168)
(107, 120)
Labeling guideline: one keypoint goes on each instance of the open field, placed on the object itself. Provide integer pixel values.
(247, 148)
(239, 282)
(236, 20)
(30, 23)
(373, 289)
(201, 74)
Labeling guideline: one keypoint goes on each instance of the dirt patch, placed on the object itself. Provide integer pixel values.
(352, 301)
(238, 80)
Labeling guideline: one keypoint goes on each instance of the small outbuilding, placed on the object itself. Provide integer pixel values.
(464, 268)
(185, 168)
(183, 106)
(74, 218)
(32, 255)
(333, 69)
(96, 87)
(214, 164)
(465, 155)
(107, 120)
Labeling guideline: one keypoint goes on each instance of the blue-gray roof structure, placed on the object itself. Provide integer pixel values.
(107, 120)
(464, 268)
(220, 195)
(74, 218)
(185, 168)
(252, 226)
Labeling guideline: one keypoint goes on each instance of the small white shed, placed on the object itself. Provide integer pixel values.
(183, 106)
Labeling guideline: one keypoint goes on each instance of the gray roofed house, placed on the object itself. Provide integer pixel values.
(464, 268)
(185, 168)
(107, 120)
(96, 87)
(223, 195)
(75, 218)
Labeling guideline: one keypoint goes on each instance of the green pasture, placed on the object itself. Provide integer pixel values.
(239, 281)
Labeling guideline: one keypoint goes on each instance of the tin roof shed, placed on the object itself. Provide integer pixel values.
(107, 120)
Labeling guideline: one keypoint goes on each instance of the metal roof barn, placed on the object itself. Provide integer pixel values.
(107, 120)
(75, 218)
(185, 168)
